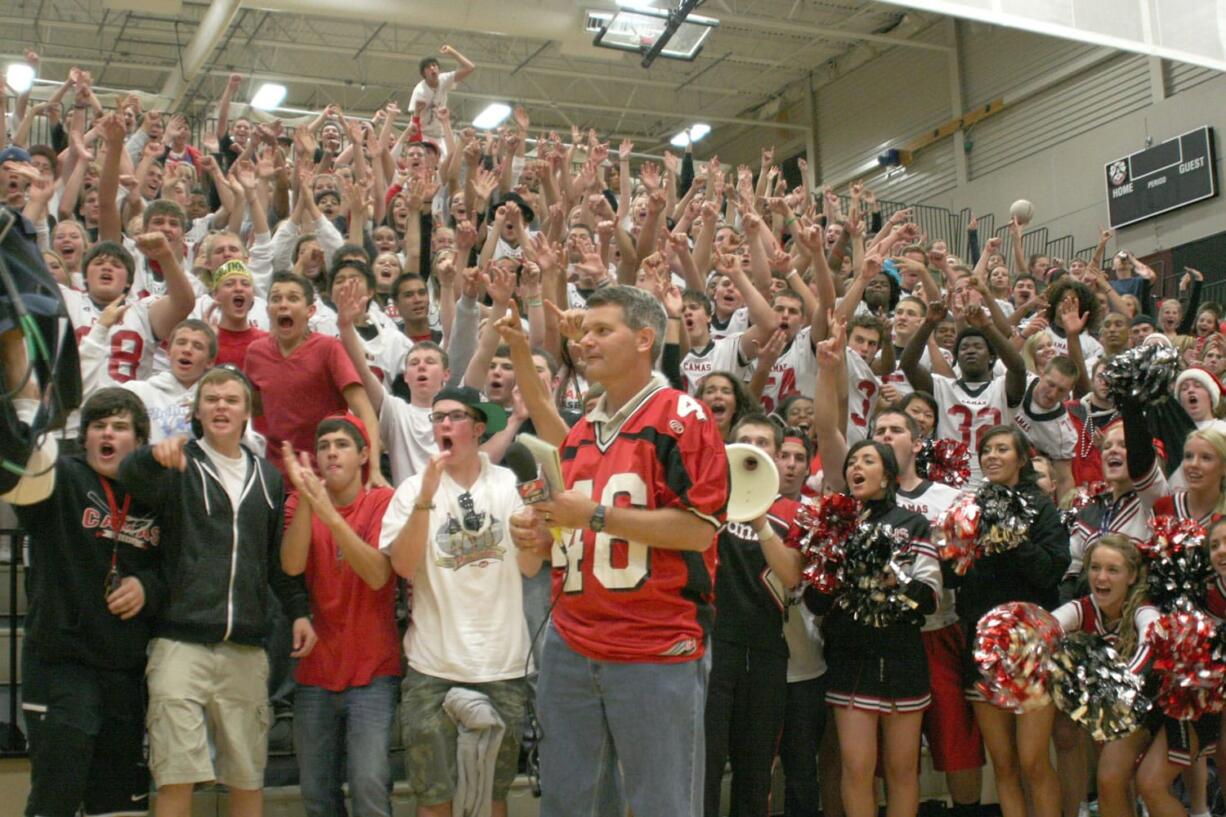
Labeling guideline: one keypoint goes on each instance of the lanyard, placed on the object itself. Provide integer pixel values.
(118, 517)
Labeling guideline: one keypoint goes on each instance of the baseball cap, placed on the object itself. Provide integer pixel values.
(494, 415)
(13, 153)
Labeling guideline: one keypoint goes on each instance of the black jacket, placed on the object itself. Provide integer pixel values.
(218, 562)
(71, 543)
(1030, 572)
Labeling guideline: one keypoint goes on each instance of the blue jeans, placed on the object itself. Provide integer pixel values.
(331, 728)
(597, 715)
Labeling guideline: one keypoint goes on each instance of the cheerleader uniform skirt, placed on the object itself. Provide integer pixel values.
(875, 669)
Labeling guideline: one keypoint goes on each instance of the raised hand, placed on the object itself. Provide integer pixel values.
(649, 175)
(113, 312)
(499, 284)
(511, 327)
(830, 351)
(113, 131)
(570, 321)
(154, 245)
(1072, 320)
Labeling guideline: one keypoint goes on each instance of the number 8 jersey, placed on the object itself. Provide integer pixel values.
(625, 601)
(966, 411)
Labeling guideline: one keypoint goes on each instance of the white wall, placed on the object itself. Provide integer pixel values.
(1049, 148)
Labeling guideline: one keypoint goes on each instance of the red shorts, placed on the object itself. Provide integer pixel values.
(949, 723)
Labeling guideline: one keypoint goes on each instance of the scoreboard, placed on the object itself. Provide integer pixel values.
(1161, 178)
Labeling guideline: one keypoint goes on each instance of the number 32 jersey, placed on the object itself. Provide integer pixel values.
(966, 412)
(625, 601)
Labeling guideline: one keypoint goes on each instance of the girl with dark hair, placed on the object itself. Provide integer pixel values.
(729, 400)
(1016, 741)
(878, 670)
(921, 407)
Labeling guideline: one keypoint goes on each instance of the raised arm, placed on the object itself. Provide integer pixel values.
(179, 300)
(498, 284)
(110, 227)
(466, 67)
(1015, 365)
(548, 423)
(1019, 253)
(919, 377)
(223, 105)
(831, 369)
(350, 304)
(1073, 321)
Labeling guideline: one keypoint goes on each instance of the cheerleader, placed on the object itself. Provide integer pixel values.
(1203, 472)
(877, 676)
(1124, 504)
(1182, 746)
(1017, 742)
(1215, 603)
(1117, 611)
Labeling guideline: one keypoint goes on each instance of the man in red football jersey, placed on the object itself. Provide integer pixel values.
(623, 680)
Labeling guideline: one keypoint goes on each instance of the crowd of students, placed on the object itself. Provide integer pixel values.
(305, 353)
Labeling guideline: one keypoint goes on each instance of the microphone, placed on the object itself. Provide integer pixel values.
(531, 486)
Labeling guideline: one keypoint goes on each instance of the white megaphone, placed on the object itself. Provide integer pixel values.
(753, 482)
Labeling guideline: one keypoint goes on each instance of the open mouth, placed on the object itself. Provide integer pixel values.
(106, 450)
(1113, 461)
(858, 481)
(445, 443)
(285, 322)
(184, 362)
(240, 301)
(106, 279)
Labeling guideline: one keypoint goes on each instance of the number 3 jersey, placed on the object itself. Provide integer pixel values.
(966, 412)
(625, 601)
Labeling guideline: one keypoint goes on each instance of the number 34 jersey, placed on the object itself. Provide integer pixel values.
(626, 601)
(966, 411)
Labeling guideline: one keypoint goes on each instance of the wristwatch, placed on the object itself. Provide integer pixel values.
(596, 523)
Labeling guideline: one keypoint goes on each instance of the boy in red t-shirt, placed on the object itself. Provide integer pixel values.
(347, 685)
(303, 376)
(233, 297)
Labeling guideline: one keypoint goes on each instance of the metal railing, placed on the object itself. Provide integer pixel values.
(12, 739)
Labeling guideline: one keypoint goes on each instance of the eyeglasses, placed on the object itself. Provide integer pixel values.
(456, 416)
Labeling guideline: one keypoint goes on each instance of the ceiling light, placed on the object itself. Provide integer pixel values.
(269, 95)
(691, 134)
(19, 77)
(492, 116)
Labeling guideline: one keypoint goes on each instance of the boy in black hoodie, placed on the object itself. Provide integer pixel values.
(94, 590)
(221, 509)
